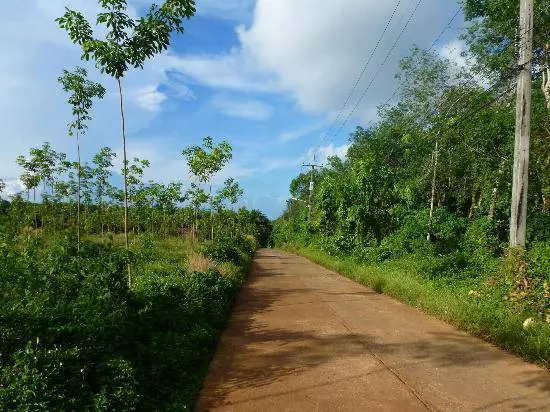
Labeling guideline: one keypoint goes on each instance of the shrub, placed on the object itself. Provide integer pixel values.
(539, 260)
(236, 250)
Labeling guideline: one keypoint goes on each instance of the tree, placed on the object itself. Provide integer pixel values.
(45, 160)
(82, 92)
(492, 35)
(29, 176)
(204, 162)
(230, 192)
(127, 43)
(197, 197)
(103, 162)
(135, 186)
(2, 186)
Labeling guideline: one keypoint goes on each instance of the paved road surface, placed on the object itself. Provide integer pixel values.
(303, 338)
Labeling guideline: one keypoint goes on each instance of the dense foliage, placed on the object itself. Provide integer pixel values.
(75, 337)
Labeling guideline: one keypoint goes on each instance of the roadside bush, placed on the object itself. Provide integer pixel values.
(63, 317)
(539, 260)
(538, 228)
(236, 250)
(410, 238)
(447, 230)
(75, 337)
(452, 266)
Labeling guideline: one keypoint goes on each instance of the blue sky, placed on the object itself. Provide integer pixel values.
(269, 76)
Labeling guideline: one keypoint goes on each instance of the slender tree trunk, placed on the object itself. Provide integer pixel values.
(195, 224)
(473, 203)
(125, 170)
(518, 215)
(101, 220)
(34, 208)
(493, 202)
(211, 214)
(434, 178)
(78, 188)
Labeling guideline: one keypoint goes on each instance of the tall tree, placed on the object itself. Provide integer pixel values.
(127, 43)
(82, 92)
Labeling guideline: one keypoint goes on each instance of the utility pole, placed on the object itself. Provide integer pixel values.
(309, 203)
(518, 216)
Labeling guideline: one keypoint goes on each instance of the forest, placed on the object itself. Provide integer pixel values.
(115, 289)
(420, 207)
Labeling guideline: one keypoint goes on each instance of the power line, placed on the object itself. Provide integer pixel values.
(445, 28)
(439, 36)
(378, 70)
(364, 68)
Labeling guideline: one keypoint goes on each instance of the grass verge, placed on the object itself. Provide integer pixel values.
(473, 305)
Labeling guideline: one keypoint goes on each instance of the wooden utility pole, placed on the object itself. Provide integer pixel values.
(311, 184)
(518, 216)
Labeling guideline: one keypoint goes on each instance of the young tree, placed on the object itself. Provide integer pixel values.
(45, 160)
(135, 185)
(127, 43)
(204, 162)
(82, 92)
(30, 176)
(230, 192)
(103, 162)
(197, 197)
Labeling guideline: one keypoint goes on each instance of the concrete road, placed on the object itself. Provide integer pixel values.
(303, 338)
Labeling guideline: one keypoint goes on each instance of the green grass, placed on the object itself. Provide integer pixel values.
(488, 316)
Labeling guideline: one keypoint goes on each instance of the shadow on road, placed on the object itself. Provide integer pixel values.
(254, 354)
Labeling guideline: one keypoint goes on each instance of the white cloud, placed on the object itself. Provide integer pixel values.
(233, 71)
(317, 59)
(322, 153)
(300, 132)
(244, 109)
(453, 51)
(456, 52)
(281, 163)
(150, 98)
(13, 186)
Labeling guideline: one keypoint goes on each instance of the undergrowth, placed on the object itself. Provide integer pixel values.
(75, 337)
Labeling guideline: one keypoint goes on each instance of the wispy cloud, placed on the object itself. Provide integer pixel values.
(300, 132)
(149, 98)
(244, 109)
